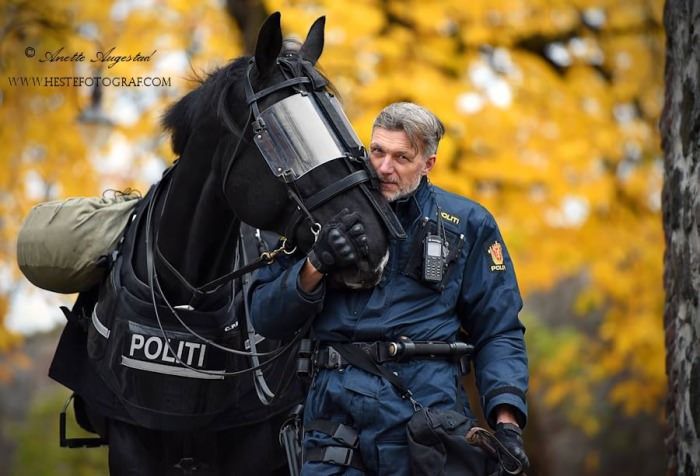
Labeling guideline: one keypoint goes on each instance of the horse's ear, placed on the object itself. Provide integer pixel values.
(269, 43)
(313, 45)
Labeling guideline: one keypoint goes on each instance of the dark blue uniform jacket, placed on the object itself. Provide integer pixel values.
(479, 293)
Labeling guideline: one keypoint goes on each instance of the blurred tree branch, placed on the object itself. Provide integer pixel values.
(248, 16)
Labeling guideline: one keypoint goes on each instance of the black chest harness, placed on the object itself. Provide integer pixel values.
(165, 377)
(169, 373)
(159, 367)
(129, 366)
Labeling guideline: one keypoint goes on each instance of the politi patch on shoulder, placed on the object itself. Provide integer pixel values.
(496, 253)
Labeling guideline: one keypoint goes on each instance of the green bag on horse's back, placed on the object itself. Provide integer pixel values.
(63, 245)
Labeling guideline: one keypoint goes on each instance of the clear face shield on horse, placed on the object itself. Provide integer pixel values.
(304, 131)
(295, 137)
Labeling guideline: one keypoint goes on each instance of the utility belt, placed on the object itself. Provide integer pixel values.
(344, 448)
(313, 356)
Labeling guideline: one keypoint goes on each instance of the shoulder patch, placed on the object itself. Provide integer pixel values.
(496, 253)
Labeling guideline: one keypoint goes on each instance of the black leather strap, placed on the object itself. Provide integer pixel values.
(215, 284)
(252, 96)
(347, 182)
(304, 207)
(337, 455)
(329, 357)
(360, 359)
(342, 433)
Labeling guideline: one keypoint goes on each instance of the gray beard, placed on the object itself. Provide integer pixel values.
(405, 193)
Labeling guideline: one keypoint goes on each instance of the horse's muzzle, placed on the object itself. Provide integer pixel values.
(361, 277)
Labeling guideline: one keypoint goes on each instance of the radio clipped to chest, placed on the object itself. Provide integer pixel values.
(432, 251)
(435, 251)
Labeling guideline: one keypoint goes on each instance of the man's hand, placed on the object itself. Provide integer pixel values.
(510, 436)
(341, 242)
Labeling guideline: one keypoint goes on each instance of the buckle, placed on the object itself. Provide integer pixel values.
(65, 442)
(382, 352)
(337, 455)
(375, 350)
(345, 434)
(259, 125)
(334, 358)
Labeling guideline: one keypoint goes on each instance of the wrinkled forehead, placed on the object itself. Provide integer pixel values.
(394, 140)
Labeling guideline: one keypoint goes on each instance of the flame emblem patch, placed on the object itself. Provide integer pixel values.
(496, 252)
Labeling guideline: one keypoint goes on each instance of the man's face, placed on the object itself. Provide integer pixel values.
(398, 165)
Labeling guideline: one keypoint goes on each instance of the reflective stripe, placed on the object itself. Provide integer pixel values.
(98, 325)
(172, 370)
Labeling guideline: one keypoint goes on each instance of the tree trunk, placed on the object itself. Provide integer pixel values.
(249, 16)
(680, 128)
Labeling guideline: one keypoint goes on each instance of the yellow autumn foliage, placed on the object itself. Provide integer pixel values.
(550, 109)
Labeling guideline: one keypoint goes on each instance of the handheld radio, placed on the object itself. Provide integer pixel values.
(433, 258)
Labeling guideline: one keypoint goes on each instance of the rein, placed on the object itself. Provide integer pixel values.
(265, 258)
(154, 283)
(297, 73)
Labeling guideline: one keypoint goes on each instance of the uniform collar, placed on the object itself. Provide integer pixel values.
(408, 209)
(423, 191)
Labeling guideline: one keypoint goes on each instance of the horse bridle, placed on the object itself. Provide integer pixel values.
(328, 129)
(298, 72)
(267, 133)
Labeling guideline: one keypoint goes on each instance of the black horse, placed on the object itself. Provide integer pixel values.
(159, 372)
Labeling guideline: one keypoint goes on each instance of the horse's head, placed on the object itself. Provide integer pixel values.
(289, 159)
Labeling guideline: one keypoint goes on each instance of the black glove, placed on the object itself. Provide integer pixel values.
(512, 453)
(341, 242)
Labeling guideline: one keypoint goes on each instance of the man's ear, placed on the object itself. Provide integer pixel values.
(429, 164)
(313, 45)
(269, 44)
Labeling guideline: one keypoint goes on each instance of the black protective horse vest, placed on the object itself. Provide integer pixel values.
(164, 377)
(152, 390)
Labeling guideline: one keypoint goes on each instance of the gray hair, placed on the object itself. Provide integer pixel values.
(423, 128)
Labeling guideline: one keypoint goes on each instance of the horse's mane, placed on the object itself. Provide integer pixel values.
(204, 99)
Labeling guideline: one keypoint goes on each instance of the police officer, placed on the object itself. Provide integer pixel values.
(354, 421)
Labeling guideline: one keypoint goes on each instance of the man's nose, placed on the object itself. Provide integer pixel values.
(385, 166)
